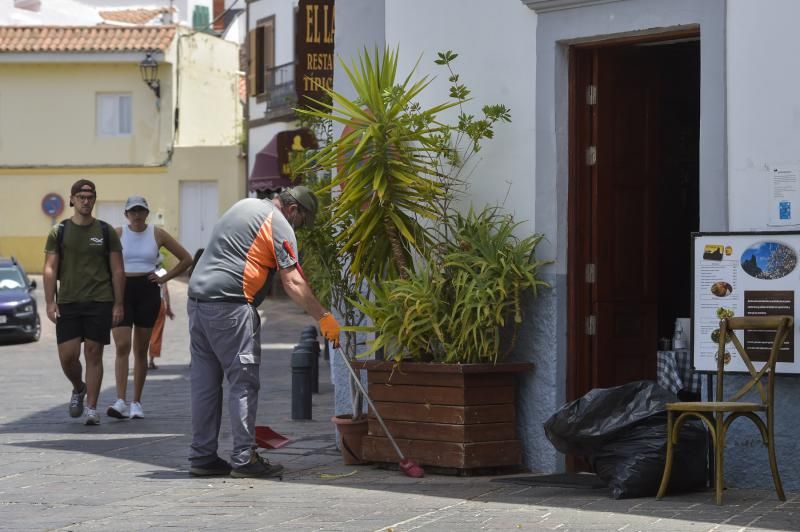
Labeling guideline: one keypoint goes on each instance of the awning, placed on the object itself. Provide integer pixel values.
(270, 167)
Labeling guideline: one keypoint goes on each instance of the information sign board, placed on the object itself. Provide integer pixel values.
(744, 274)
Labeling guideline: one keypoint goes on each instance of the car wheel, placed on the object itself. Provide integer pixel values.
(37, 331)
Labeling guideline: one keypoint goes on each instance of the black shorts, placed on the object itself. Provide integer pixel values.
(142, 302)
(87, 321)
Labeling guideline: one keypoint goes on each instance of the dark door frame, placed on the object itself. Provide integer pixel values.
(582, 132)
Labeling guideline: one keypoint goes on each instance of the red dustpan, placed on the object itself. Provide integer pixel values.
(266, 438)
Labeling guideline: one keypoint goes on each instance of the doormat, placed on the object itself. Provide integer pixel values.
(558, 480)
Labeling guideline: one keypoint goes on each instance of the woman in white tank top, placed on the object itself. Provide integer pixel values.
(140, 245)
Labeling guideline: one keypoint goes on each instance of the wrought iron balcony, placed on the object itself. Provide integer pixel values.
(280, 87)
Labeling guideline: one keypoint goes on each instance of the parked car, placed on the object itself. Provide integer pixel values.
(19, 316)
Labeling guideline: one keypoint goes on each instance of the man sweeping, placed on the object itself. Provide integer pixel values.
(227, 286)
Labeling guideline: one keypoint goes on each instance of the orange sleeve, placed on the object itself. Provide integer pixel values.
(260, 258)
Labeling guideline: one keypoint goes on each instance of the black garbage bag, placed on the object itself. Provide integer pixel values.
(622, 431)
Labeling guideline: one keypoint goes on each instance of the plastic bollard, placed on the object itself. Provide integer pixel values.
(301, 382)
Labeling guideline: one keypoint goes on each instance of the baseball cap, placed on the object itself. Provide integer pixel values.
(307, 200)
(82, 185)
(136, 201)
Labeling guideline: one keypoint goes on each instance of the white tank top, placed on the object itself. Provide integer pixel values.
(139, 250)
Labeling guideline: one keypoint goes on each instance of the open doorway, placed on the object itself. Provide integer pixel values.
(633, 202)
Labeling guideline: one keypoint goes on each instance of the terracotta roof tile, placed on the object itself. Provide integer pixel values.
(15, 39)
(133, 16)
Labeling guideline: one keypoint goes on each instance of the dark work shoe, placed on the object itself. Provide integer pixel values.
(217, 468)
(259, 467)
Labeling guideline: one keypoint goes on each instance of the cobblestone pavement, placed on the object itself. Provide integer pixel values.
(58, 474)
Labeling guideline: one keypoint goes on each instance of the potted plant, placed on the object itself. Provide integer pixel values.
(446, 395)
(444, 289)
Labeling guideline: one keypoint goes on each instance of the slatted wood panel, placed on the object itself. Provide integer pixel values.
(445, 431)
(443, 395)
(399, 377)
(447, 413)
(451, 417)
(446, 454)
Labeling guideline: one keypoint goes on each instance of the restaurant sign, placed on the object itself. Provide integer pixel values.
(314, 31)
(293, 144)
(744, 274)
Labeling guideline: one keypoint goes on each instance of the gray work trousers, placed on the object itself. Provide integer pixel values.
(225, 340)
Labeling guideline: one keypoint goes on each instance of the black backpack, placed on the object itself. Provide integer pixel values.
(104, 227)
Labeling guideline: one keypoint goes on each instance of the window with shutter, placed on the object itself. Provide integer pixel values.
(261, 60)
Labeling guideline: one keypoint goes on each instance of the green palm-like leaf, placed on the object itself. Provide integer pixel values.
(387, 165)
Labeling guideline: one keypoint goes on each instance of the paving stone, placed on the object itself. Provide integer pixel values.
(58, 474)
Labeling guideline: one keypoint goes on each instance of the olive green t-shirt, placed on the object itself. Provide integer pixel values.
(84, 271)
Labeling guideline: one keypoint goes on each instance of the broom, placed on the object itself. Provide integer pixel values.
(407, 465)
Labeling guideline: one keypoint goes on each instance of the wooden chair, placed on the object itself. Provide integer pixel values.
(719, 414)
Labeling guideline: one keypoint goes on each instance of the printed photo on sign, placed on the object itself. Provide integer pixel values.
(769, 260)
(721, 289)
(712, 252)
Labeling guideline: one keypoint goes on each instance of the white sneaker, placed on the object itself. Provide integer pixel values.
(118, 410)
(91, 417)
(136, 410)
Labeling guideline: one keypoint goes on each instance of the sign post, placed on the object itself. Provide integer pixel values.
(53, 206)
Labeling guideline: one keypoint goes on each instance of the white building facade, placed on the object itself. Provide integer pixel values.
(270, 87)
(635, 123)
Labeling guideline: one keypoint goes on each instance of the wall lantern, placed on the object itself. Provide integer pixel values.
(149, 70)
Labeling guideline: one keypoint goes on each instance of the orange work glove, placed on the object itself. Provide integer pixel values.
(330, 328)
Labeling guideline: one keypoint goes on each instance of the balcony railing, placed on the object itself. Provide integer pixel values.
(280, 87)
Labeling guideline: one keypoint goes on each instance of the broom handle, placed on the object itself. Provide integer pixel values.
(369, 402)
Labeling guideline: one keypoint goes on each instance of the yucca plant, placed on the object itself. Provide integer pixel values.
(392, 161)
(386, 172)
(458, 306)
(398, 166)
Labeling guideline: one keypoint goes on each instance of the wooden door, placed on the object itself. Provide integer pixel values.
(625, 299)
(613, 266)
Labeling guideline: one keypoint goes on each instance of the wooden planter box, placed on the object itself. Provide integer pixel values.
(459, 416)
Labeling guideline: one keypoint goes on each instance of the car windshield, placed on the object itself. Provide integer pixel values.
(11, 279)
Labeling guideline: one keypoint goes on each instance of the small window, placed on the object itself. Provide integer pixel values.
(113, 115)
(262, 56)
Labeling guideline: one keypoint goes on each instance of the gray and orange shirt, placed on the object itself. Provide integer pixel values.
(251, 239)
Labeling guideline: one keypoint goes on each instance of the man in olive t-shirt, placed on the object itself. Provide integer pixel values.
(91, 284)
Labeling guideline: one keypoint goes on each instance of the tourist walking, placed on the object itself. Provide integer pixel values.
(84, 285)
(226, 287)
(140, 251)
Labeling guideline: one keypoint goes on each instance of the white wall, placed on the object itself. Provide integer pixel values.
(283, 10)
(210, 108)
(763, 106)
(497, 51)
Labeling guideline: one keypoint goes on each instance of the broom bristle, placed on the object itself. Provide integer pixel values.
(412, 468)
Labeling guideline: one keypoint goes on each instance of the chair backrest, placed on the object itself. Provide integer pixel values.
(782, 325)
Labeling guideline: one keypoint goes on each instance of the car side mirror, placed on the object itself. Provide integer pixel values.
(33, 285)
